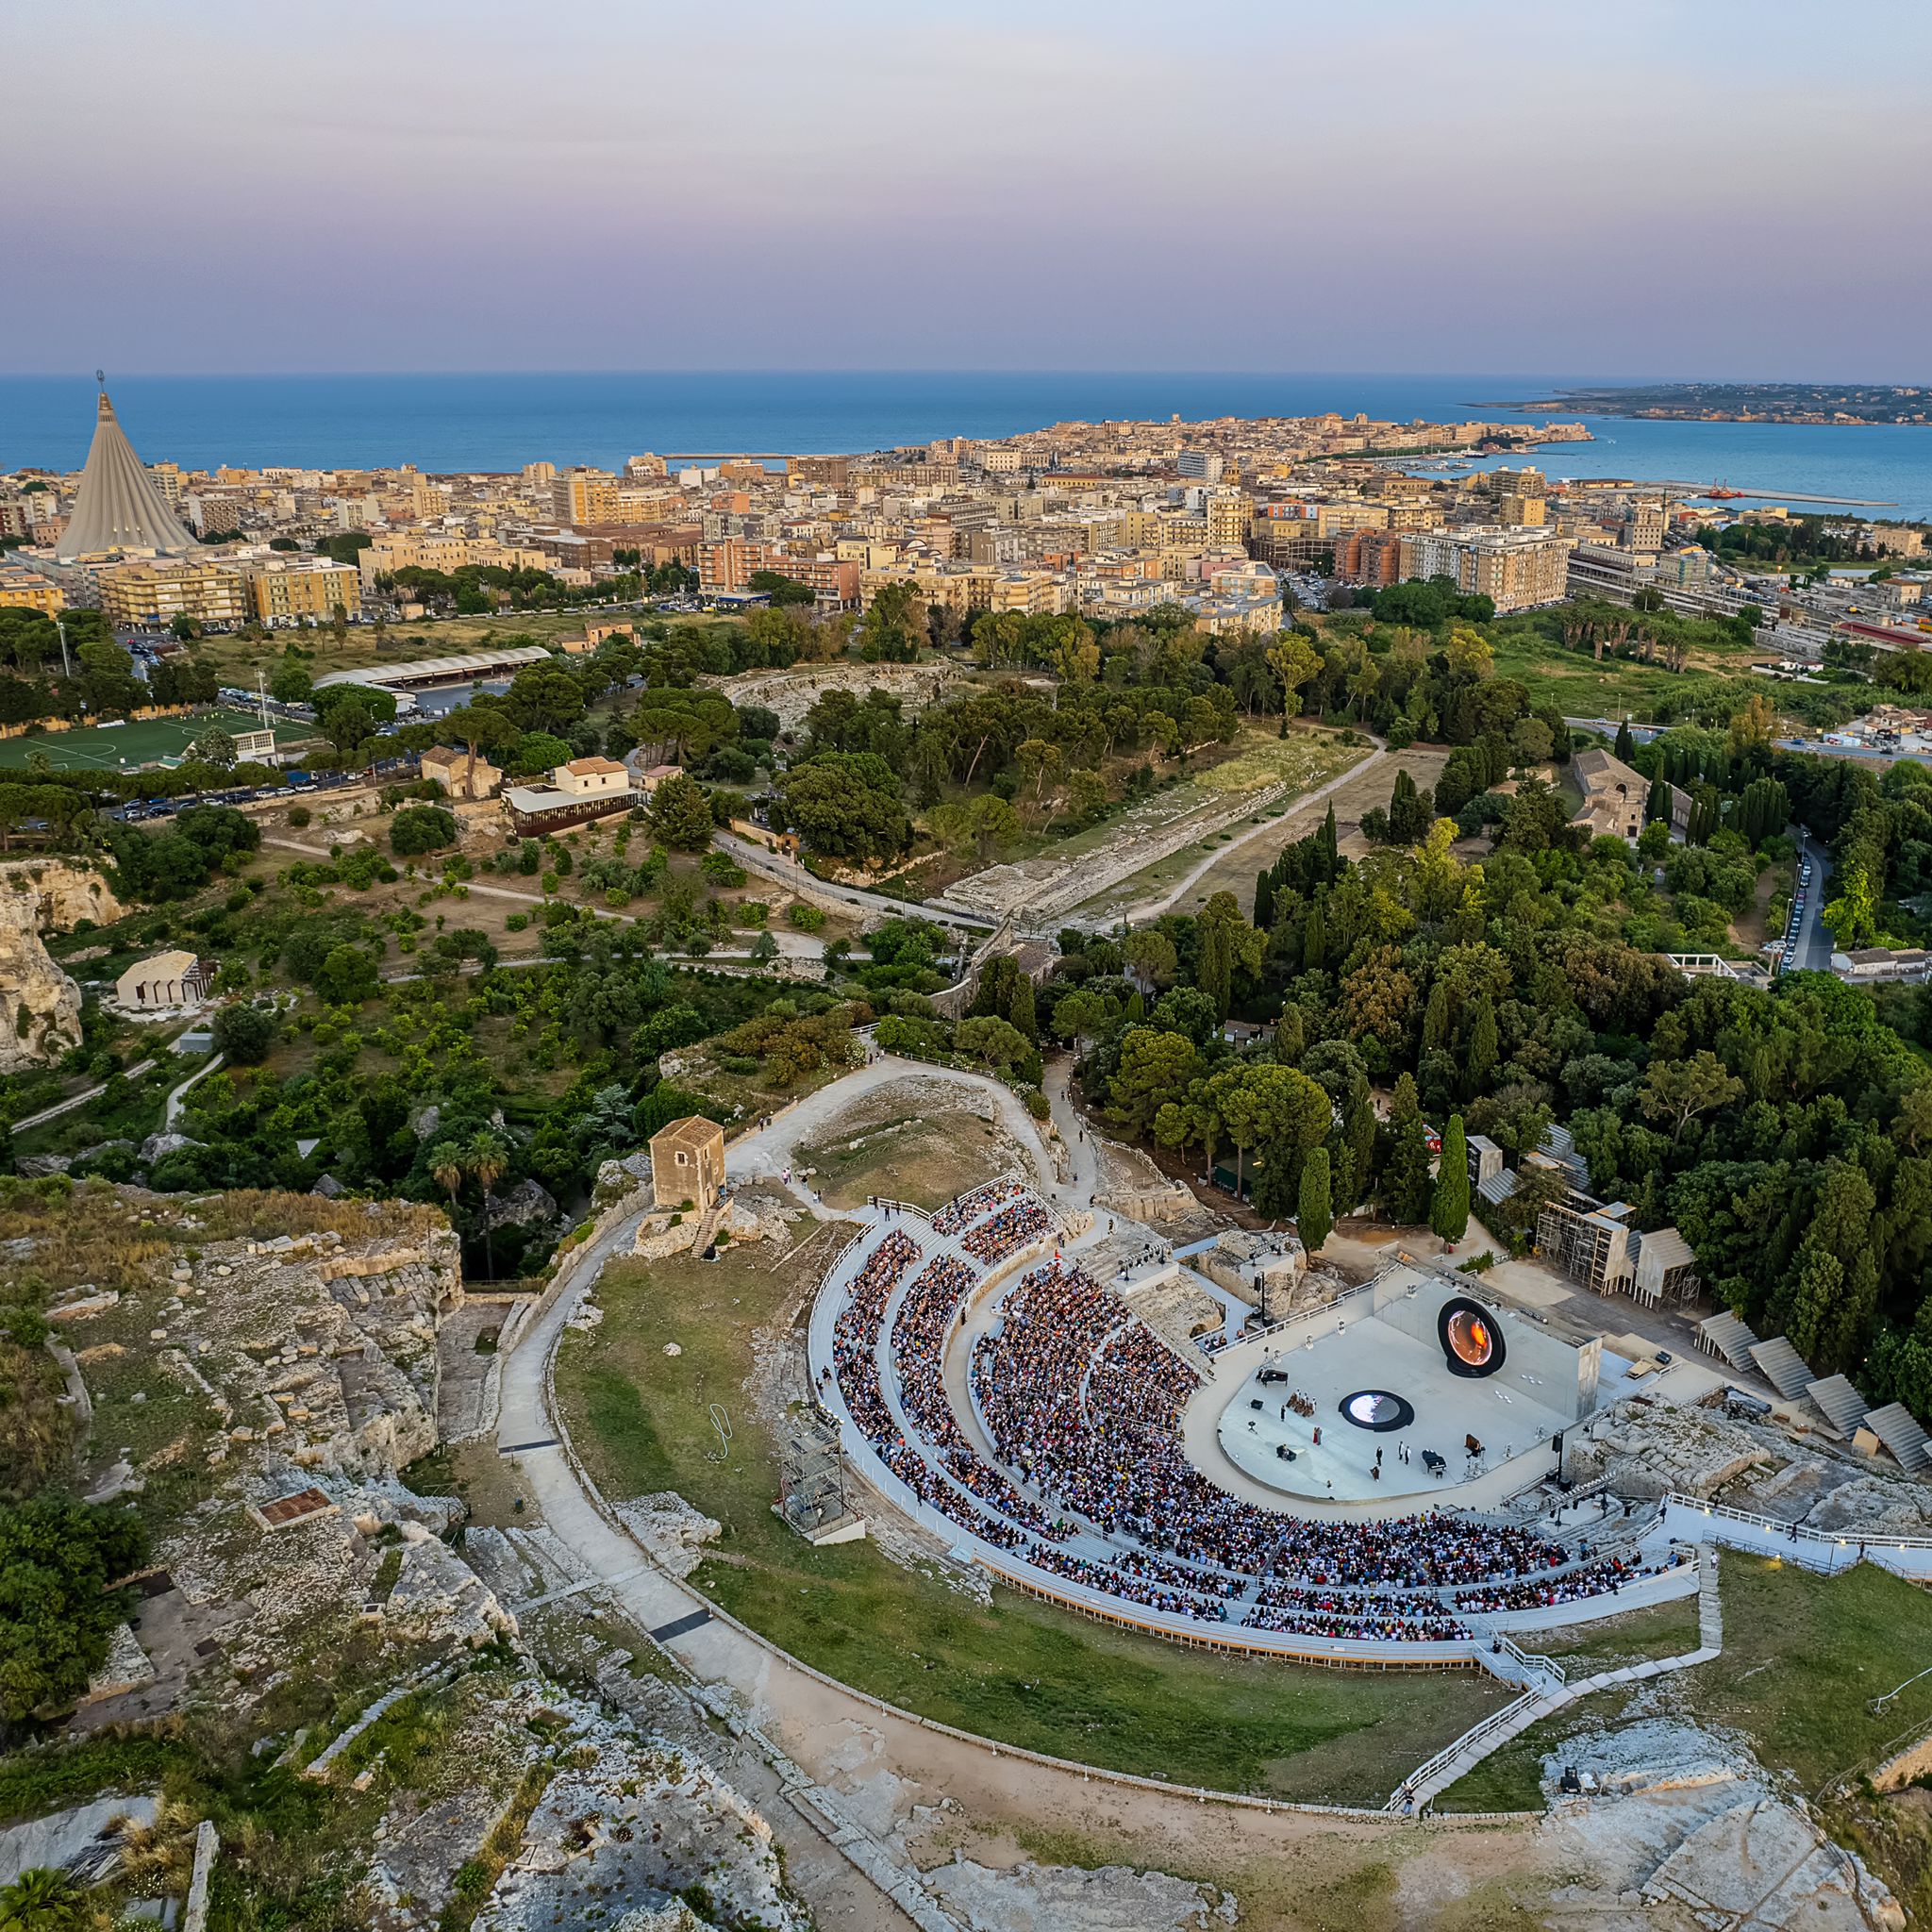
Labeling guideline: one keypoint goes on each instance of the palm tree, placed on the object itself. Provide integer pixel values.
(447, 1170)
(487, 1158)
(44, 1900)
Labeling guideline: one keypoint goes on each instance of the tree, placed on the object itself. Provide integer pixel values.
(422, 828)
(57, 1610)
(346, 976)
(1449, 1208)
(445, 1165)
(992, 1041)
(1297, 662)
(846, 804)
(894, 627)
(244, 1033)
(213, 747)
(1406, 1182)
(1314, 1216)
(1626, 744)
(479, 728)
(487, 1159)
(1154, 1067)
(680, 814)
(1225, 944)
(1679, 1090)
(1483, 1049)
(1853, 916)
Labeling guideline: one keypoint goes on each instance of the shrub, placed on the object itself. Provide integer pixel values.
(299, 816)
(805, 918)
(243, 1034)
(422, 828)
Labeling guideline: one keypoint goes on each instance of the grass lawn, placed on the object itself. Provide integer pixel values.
(1017, 1671)
(1616, 687)
(126, 747)
(1804, 1657)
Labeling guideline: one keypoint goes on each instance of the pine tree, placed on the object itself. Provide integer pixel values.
(1315, 1215)
(1406, 1171)
(1449, 1209)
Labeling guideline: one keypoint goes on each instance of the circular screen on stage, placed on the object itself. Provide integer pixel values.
(1472, 1340)
(1376, 1409)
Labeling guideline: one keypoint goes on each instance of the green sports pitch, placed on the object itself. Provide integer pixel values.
(127, 748)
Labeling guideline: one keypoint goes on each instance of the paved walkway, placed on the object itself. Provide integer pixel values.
(74, 1100)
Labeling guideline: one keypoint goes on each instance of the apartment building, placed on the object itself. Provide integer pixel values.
(1518, 568)
(587, 496)
(153, 593)
(26, 589)
(286, 590)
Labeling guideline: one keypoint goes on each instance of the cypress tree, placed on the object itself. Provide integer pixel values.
(1449, 1208)
(1406, 1173)
(1484, 1047)
(1625, 744)
(1358, 1137)
(1331, 849)
(1315, 1215)
(1264, 900)
(1315, 935)
(1022, 1012)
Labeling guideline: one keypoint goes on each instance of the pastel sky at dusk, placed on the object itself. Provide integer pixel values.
(1724, 188)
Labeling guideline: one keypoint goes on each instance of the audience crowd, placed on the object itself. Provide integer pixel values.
(1082, 1403)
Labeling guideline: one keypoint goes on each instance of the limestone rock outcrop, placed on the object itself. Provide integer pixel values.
(41, 1019)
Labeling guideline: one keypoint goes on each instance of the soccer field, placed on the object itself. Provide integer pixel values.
(126, 747)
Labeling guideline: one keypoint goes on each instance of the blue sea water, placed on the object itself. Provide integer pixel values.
(500, 422)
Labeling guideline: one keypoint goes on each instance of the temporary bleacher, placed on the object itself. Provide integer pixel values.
(1895, 1428)
(1840, 1405)
(1728, 1338)
(1782, 1366)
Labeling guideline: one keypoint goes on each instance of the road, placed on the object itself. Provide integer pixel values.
(1813, 953)
(1145, 909)
(786, 872)
(74, 1100)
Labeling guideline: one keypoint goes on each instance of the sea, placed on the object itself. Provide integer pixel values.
(500, 422)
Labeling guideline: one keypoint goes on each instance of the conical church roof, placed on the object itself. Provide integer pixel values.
(119, 507)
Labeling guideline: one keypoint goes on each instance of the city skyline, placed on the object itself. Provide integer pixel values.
(1247, 189)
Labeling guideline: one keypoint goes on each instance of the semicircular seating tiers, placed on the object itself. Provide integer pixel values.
(1066, 1471)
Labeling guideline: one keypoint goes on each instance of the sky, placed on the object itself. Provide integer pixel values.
(1712, 189)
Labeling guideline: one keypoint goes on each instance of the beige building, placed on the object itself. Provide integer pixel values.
(164, 983)
(27, 590)
(458, 775)
(1519, 568)
(687, 1162)
(156, 592)
(285, 590)
(587, 497)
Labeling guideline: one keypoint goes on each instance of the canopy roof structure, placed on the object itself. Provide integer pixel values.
(120, 508)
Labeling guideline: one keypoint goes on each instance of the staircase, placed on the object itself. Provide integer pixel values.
(1727, 1337)
(1894, 1427)
(1838, 1403)
(1782, 1366)
(1546, 1692)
